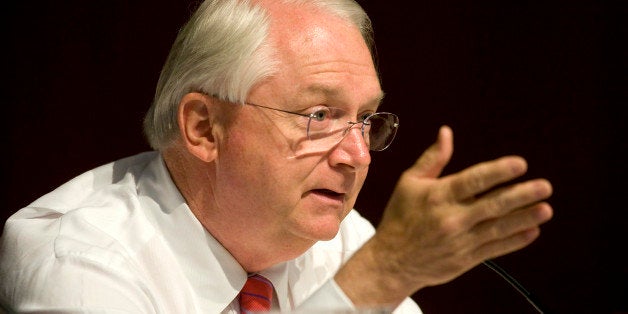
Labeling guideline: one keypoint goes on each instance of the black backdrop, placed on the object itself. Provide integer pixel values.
(545, 80)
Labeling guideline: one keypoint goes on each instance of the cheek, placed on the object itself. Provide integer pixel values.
(239, 166)
(360, 178)
(253, 176)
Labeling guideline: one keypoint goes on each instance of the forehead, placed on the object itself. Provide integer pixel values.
(321, 55)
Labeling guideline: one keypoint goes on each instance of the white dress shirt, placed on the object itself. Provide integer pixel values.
(121, 239)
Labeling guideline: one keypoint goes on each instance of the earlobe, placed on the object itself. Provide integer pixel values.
(195, 125)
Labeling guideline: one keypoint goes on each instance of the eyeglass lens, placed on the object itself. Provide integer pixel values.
(328, 128)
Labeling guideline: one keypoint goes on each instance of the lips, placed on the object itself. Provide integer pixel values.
(329, 194)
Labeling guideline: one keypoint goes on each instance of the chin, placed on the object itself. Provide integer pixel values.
(319, 229)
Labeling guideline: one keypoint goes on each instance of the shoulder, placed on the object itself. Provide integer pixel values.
(93, 215)
(120, 173)
(86, 237)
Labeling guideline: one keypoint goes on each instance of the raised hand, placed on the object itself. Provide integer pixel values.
(436, 228)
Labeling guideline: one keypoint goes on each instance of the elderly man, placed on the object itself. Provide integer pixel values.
(264, 116)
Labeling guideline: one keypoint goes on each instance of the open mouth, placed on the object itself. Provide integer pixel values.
(329, 193)
(326, 192)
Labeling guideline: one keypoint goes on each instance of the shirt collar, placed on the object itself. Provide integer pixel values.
(215, 276)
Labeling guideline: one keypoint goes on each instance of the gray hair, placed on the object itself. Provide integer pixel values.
(223, 51)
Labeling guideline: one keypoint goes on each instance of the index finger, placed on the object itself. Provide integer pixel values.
(481, 177)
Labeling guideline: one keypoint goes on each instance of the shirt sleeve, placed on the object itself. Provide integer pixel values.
(331, 297)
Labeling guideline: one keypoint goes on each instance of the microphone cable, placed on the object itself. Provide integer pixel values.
(513, 282)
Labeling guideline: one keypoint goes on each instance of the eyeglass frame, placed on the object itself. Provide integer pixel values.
(364, 122)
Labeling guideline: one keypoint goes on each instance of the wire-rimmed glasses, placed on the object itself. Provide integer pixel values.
(327, 126)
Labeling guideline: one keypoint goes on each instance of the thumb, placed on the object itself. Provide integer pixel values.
(436, 157)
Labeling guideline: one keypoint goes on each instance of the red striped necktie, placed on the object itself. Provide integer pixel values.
(256, 295)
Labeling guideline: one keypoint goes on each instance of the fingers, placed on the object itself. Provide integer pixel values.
(436, 157)
(504, 200)
(515, 222)
(510, 233)
(482, 177)
(508, 245)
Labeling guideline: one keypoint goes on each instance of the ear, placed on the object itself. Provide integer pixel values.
(195, 117)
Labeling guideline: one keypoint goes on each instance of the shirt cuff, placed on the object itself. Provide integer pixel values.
(328, 297)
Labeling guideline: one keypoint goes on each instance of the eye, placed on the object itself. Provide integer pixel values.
(321, 114)
(364, 116)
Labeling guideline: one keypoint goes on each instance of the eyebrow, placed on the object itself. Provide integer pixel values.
(334, 92)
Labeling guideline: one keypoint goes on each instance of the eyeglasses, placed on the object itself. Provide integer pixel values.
(326, 126)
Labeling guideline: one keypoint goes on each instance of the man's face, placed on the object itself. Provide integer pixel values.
(269, 177)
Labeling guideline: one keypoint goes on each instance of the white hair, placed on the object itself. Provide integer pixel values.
(223, 51)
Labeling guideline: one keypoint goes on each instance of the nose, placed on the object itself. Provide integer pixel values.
(352, 150)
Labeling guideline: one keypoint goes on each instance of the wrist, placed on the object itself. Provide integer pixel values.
(373, 277)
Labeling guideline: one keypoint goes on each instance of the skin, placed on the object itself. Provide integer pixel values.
(436, 228)
(243, 176)
(237, 166)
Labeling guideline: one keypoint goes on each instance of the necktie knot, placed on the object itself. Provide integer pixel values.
(256, 295)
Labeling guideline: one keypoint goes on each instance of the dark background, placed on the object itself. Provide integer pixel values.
(545, 80)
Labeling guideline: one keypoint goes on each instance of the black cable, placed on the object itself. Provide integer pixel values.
(513, 282)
